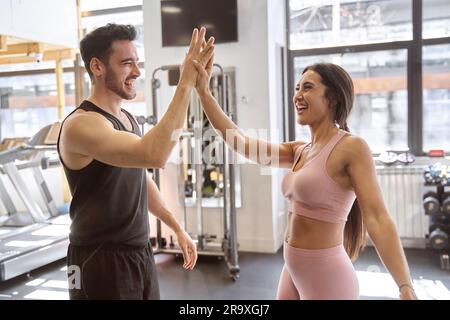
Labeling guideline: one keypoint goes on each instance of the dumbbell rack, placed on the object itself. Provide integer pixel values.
(439, 212)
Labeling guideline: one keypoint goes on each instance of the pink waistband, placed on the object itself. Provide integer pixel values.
(316, 253)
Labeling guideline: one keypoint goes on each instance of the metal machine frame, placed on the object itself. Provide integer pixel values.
(228, 246)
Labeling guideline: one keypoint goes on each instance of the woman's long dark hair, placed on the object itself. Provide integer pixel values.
(339, 91)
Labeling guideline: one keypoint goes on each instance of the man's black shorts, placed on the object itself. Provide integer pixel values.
(112, 272)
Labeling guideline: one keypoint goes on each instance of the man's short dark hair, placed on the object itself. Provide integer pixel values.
(98, 43)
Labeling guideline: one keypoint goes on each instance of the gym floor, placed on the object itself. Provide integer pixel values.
(258, 278)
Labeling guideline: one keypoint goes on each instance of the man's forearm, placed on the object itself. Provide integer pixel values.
(167, 218)
(158, 208)
(164, 135)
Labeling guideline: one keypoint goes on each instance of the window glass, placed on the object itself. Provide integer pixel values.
(436, 18)
(327, 23)
(436, 97)
(89, 5)
(27, 103)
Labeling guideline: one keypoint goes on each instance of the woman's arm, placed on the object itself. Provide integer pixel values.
(257, 150)
(381, 228)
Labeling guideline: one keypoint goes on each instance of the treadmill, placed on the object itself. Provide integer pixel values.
(37, 236)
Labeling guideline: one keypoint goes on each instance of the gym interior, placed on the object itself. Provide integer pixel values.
(395, 51)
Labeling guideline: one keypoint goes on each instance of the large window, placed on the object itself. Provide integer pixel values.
(381, 43)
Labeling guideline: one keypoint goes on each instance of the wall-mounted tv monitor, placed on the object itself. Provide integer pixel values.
(180, 17)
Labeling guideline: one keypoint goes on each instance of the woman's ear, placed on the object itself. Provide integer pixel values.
(332, 103)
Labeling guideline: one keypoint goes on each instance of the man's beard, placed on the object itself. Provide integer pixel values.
(116, 87)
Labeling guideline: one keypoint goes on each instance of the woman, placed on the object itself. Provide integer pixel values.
(329, 181)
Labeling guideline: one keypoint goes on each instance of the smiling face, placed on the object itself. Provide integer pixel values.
(309, 99)
(122, 69)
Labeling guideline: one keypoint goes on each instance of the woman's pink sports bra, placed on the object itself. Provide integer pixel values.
(312, 193)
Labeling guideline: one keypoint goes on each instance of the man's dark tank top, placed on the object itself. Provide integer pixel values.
(109, 204)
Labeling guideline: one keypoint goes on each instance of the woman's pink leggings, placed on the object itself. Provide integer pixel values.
(324, 274)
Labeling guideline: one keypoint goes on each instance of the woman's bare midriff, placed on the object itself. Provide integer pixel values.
(307, 233)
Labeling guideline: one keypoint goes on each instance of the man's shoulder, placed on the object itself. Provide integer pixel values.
(81, 120)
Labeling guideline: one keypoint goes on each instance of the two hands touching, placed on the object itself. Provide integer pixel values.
(196, 68)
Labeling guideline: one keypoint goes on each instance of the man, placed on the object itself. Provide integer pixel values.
(104, 157)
